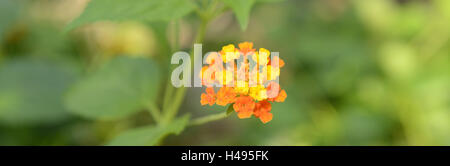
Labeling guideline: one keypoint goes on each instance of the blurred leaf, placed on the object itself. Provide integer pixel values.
(398, 60)
(119, 88)
(149, 135)
(8, 12)
(443, 6)
(141, 10)
(46, 40)
(31, 90)
(241, 9)
(363, 127)
(377, 15)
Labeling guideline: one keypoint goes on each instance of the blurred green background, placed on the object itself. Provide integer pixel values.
(358, 72)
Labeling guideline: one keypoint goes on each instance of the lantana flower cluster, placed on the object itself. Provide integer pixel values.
(248, 81)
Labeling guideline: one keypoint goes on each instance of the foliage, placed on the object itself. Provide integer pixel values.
(119, 88)
(141, 10)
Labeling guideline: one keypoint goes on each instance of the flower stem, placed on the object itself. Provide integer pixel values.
(172, 108)
(180, 92)
(154, 111)
(168, 92)
(206, 119)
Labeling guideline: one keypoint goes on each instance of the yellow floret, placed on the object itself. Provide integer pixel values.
(258, 93)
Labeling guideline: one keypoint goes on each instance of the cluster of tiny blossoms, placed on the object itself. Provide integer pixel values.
(249, 91)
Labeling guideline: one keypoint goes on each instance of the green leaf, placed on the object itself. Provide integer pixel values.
(230, 109)
(149, 135)
(140, 10)
(241, 9)
(119, 88)
(31, 90)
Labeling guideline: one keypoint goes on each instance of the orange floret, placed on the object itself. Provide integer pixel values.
(244, 106)
(209, 97)
(281, 97)
(246, 48)
(243, 88)
(280, 62)
(262, 111)
(266, 117)
(225, 95)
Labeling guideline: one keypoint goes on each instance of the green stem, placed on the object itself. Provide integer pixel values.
(154, 111)
(167, 95)
(169, 88)
(201, 32)
(180, 92)
(206, 119)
